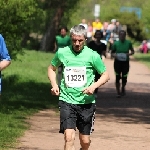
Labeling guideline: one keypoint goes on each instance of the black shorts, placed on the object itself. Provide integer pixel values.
(80, 116)
(121, 67)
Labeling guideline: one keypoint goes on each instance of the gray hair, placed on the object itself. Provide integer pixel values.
(78, 30)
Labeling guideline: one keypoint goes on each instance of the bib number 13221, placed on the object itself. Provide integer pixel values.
(75, 76)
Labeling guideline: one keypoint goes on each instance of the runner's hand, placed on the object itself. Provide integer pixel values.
(55, 90)
(89, 90)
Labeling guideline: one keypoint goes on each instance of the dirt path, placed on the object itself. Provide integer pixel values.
(121, 124)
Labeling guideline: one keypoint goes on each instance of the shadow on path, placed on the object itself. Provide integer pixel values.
(25, 95)
(132, 108)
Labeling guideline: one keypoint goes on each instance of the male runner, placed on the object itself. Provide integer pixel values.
(76, 98)
(121, 51)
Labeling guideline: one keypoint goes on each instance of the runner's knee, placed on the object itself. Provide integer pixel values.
(85, 140)
(69, 135)
(124, 80)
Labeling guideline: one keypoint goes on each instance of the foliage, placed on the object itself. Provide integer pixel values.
(42, 18)
(134, 25)
(111, 9)
(55, 19)
(146, 17)
(15, 14)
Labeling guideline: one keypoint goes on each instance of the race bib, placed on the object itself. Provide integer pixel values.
(75, 76)
(121, 56)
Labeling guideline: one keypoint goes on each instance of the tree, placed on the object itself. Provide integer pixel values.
(111, 9)
(58, 9)
(134, 25)
(15, 14)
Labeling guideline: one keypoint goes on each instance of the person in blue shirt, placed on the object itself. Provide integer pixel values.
(106, 33)
(5, 59)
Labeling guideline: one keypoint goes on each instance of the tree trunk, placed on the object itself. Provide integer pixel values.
(47, 43)
(25, 38)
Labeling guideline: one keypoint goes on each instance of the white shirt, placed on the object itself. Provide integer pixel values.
(85, 25)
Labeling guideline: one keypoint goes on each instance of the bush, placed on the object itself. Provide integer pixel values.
(15, 15)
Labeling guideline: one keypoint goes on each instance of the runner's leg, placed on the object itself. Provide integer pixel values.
(85, 123)
(69, 137)
(117, 68)
(68, 123)
(84, 141)
(125, 71)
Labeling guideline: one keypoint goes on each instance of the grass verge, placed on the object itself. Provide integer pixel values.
(25, 90)
(144, 58)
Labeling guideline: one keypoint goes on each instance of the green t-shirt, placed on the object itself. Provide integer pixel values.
(62, 41)
(122, 47)
(78, 68)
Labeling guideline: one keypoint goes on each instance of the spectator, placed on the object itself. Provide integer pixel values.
(89, 32)
(144, 47)
(116, 31)
(112, 25)
(83, 23)
(97, 25)
(106, 33)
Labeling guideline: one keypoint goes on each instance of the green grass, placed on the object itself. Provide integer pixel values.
(134, 42)
(25, 90)
(144, 58)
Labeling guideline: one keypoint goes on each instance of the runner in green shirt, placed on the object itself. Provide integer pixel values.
(121, 51)
(61, 41)
(76, 99)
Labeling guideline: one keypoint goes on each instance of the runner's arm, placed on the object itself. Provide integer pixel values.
(101, 69)
(131, 49)
(102, 80)
(4, 64)
(55, 63)
(5, 59)
(52, 75)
